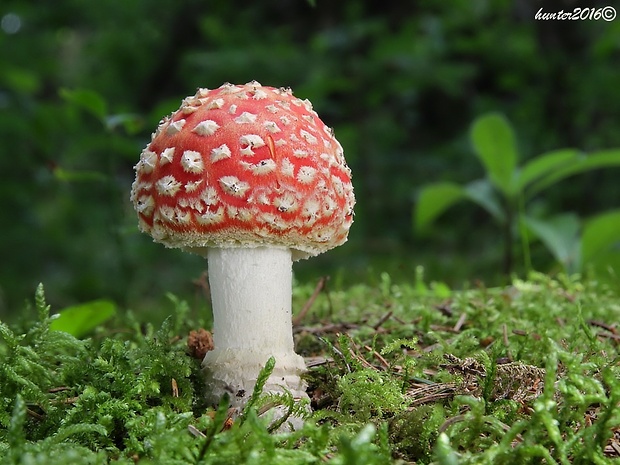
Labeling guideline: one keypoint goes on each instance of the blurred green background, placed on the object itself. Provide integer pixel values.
(83, 85)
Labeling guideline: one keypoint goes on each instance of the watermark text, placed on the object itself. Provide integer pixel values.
(605, 13)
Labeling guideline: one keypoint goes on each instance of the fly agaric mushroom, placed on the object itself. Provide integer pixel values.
(251, 178)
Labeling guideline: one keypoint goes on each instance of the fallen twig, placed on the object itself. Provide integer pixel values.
(306, 308)
(382, 320)
(384, 363)
(327, 329)
(599, 324)
(459, 324)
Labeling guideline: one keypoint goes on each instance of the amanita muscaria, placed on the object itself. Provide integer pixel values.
(251, 178)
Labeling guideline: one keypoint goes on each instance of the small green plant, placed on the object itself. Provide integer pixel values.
(508, 188)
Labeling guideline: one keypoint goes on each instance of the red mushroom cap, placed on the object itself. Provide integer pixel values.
(244, 166)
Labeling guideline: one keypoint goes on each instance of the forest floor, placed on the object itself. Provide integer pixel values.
(398, 373)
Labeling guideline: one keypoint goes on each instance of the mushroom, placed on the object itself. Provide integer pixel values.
(251, 178)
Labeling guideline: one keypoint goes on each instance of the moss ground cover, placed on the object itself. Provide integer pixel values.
(399, 373)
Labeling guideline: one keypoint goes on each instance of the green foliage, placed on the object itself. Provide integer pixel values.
(55, 449)
(262, 378)
(35, 361)
(493, 376)
(137, 394)
(79, 320)
(495, 145)
(507, 189)
(572, 421)
(386, 76)
(545, 327)
(91, 393)
(363, 449)
(370, 394)
(599, 235)
(561, 237)
(414, 432)
(88, 100)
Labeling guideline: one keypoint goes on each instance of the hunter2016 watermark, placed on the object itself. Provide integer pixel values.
(605, 13)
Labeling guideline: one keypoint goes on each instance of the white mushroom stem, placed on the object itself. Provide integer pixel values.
(251, 297)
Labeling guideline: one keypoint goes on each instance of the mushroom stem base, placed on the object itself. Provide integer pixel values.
(236, 372)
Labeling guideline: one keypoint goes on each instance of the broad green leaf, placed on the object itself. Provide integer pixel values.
(494, 143)
(440, 289)
(79, 320)
(87, 99)
(485, 195)
(545, 164)
(560, 235)
(78, 175)
(606, 266)
(433, 200)
(599, 234)
(602, 159)
(19, 79)
(131, 123)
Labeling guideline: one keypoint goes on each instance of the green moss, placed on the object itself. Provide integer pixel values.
(522, 374)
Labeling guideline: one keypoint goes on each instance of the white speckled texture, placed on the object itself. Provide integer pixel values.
(251, 296)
